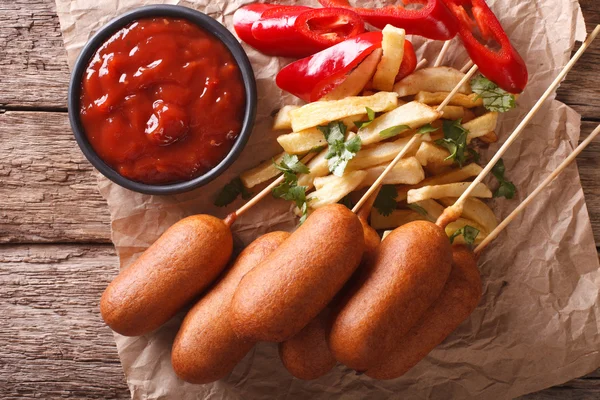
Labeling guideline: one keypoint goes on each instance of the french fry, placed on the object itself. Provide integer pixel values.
(335, 189)
(395, 219)
(448, 190)
(461, 222)
(453, 112)
(457, 175)
(382, 153)
(432, 209)
(408, 171)
(357, 79)
(283, 120)
(302, 142)
(475, 210)
(462, 100)
(261, 173)
(489, 137)
(309, 139)
(393, 52)
(318, 167)
(481, 126)
(323, 112)
(433, 158)
(413, 115)
(435, 79)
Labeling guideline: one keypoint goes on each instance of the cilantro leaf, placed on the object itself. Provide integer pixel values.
(419, 209)
(506, 189)
(230, 192)
(289, 190)
(291, 164)
(340, 152)
(455, 141)
(494, 98)
(426, 129)
(393, 131)
(386, 202)
(370, 115)
(468, 232)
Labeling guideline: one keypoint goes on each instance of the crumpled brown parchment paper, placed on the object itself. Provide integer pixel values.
(537, 324)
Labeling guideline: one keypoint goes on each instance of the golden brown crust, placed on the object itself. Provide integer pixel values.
(294, 284)
(459, 298)
(167, 276)
(306, 355)
(407, 274)
(206, 349)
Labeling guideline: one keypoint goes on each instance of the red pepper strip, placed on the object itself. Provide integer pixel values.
(313, 77)
(409, 61)
(243, 19)
(433, 20)
(293, 31)
(505, 67)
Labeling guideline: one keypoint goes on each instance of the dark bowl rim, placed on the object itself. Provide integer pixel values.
(210, 25)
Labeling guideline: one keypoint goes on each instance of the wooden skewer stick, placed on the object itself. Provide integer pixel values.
(421, 64)
(454, 212)
(263, 193)
(410, 143)
(440, 57)
(493, 234)
(467, 66)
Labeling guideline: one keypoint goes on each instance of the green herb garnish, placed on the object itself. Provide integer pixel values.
(386, 202)
(494, 98)
(370, 115)
(426, 129)
(340, 152)
(289, 190)
(230, 192)
(506, 189)
(393, 131)
(455, 141)
(468, 232)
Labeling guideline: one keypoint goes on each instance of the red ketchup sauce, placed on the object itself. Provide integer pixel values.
(162, 101)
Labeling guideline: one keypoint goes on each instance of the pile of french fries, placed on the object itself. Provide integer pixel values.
(426, 179)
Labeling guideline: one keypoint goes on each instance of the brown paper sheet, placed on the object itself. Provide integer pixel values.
(538, 322)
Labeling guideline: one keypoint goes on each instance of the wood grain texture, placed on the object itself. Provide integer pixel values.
(47, 191)
(53, 343)
(33, 63)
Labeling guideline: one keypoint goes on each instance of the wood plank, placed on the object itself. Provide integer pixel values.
(32, 56)
(33, 63)
(47, 191)
(53, 341)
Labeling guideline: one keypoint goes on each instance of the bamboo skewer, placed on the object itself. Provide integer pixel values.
(453, 212)
(467, 66)
(253, 201)
(443, 51)
(493, 234)
(410, 143)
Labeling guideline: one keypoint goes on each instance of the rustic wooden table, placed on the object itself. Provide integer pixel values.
(55, 251)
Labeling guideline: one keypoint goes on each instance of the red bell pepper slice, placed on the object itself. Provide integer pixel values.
(433, 20)
(505, 67)
(243, 19)
(295, 31)
(313, 77)
(409, 61)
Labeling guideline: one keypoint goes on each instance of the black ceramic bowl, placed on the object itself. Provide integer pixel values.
(209, 25)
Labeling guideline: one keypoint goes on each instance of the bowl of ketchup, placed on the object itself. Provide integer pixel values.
(162, 99)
